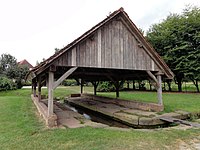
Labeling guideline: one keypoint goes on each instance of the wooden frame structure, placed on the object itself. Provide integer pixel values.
(113, 50)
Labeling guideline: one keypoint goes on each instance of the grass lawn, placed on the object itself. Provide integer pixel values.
(21, 128)
(172, 101)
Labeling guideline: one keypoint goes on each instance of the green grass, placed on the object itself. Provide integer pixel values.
(186, 86)
(21, 128)
(172, 101)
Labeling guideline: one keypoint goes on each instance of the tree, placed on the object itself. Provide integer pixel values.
(11, 70)
(57, 50)
(177, 40)
(8, 65)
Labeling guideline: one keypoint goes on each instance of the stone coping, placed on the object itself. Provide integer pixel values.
(128, 103)
(50, 121)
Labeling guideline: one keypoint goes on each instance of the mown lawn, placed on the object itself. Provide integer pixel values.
(172, 101)
(21, 128)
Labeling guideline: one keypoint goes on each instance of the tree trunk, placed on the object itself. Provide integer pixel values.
(179, 78)
(179, 86)
(195, 82)
(197, 86)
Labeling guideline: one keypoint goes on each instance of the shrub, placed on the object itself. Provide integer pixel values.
(105, 87)
(6, 84)
(69, 82)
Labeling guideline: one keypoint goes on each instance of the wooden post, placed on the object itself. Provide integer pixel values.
(81, 86)
(34, 88)
(47, 82)
(117, 89)
(95, 84)
(128, 84)
(133, 84)
(50, 94)
(95, 90)
(150, 87)
(159, 90)
(39, 88)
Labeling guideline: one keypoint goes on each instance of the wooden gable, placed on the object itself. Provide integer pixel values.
(111, 46)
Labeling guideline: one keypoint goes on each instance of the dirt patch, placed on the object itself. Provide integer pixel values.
(193, 144)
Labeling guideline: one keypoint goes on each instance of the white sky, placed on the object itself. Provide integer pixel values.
(32, 29)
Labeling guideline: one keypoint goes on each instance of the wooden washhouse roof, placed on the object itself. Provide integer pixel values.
(113, 45)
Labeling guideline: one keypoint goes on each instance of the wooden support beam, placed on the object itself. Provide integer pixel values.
(159, 90)
(95, 84)
(154, 80)
(63, 77)
(34, 88)
(133, 84)
(43, 82)
(47, 82)
(82, 84)
(50, 94)
(117, 88)
(128, 84)
(39, 88)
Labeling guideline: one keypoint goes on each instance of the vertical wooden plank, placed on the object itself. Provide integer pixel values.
(115, 44)
(87, 52)
(68, 57)
(74, 56)
(130, 51)
(126, 48)
(99, 48)
(134, 53)
(145, 60)
(148, 62)
(108, 47)
(95, 50)
(77, 56)
(92, 52)
(62, 63)
(141, 59)
(121, 44)
(66, 61)
(139, 67)
(103, 47)
(82, 54)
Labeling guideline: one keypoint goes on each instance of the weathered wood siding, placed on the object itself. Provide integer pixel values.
(112, 46)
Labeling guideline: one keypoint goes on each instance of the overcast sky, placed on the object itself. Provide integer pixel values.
(32, 29)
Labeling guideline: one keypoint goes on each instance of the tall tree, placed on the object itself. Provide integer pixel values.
(177, 40)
